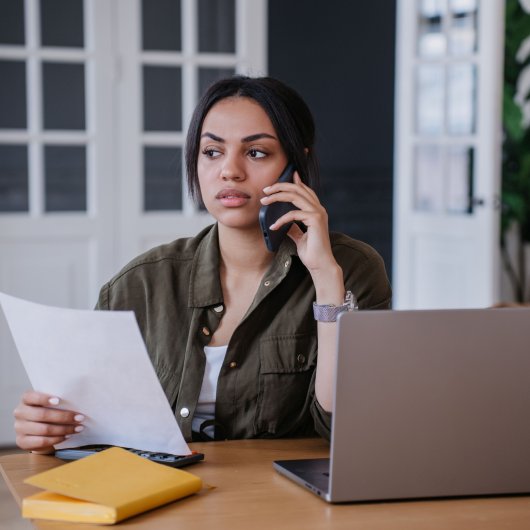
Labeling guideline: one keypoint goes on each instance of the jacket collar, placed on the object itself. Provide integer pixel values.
(205, 283)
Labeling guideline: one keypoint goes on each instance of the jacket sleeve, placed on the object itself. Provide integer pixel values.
(368, 281)
(103, 299)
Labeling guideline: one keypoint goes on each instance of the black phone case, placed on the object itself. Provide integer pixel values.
(270, 213)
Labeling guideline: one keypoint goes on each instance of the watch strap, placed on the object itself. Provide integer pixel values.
(330, 312)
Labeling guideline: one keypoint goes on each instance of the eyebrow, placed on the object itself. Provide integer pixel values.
(246, 139)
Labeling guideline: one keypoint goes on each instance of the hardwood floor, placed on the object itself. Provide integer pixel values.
(10, 518)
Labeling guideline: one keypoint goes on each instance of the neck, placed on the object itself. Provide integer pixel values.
(243, 251)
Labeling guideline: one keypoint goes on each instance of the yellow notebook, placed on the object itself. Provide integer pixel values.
(106, 487)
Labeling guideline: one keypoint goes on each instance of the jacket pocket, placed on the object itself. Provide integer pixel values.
(287, 364)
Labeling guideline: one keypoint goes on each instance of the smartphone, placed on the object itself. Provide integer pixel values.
(270, 213)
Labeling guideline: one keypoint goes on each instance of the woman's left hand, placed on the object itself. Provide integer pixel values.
(313, 246)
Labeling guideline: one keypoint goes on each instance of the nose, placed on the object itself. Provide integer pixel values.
(229, 174)
(231, 170)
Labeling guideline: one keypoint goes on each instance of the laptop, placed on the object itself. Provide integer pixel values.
(427, 404)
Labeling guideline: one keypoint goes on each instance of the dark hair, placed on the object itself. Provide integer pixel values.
(289, 115)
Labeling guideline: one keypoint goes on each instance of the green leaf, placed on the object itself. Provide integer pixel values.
(512, 117)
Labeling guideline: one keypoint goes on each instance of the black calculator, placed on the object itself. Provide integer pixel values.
(167, 459)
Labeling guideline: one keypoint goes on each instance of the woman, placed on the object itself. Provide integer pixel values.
(230, 327)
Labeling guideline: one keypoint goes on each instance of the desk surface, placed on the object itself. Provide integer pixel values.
(250, 494)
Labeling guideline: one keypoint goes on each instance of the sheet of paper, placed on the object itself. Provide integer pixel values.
(97, 363)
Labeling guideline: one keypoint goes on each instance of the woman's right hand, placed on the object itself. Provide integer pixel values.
(39, 426)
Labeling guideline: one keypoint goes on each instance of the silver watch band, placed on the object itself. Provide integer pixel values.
(329, 313)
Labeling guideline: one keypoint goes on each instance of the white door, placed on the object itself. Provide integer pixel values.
(94, 102)
(169, 53)
(448, 149)
(55, 183)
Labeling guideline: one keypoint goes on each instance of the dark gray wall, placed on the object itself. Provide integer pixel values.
(340, 56)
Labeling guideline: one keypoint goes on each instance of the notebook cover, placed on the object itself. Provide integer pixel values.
(47, 505)
(106, 487)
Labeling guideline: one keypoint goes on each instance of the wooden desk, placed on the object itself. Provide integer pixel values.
(250, 495)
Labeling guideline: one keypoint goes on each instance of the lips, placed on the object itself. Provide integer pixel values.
(232, 194)
(232, 198)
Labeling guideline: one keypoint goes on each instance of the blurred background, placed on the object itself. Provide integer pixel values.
(422, 111)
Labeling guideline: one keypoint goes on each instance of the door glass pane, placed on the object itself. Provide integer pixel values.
(461, 99)
(61, 23)
(429, 178)
(431, 37)
(12, 22)
(208, 76)
(463, 30)
(14, 178)
(459, 180)
(162, 98)
(217, 23)
(430, 97)
(63, 87)
(13, 95)
(161, 25)
(162, 178)
(65, 178)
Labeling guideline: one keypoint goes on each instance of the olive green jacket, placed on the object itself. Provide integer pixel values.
(266, 384)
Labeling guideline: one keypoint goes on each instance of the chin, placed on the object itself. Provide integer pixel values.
(237, 219)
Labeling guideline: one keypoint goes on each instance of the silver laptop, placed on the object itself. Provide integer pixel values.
(427, 404)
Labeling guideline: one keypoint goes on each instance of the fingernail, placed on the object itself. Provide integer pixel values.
(79, 417)
(53, 401)
(79, 428)
(67, 435)
(266, 188)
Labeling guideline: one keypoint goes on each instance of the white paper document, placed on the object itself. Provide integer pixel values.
(97, 363)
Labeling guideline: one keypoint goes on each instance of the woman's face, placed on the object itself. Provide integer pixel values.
(239, 155)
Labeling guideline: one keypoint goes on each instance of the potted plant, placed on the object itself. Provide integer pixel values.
(516, 146)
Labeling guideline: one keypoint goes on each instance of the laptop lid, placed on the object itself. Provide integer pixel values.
(431, 403)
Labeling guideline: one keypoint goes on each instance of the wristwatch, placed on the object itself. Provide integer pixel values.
(329, 313)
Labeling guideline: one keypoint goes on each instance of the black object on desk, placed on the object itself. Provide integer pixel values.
(160, 458)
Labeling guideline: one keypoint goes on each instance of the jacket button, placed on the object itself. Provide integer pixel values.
(267, 283)
(300, 358)
(184, 412)
(206, 331)
(218, 309)
(233, 364)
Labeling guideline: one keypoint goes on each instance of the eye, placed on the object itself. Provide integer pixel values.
(211, 152)
(256, 153)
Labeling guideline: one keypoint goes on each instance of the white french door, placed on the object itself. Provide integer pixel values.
(56, 189)
(95, 99)
(167, 58)
(448, 148)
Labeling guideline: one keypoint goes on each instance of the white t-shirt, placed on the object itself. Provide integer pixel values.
(206, 406)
